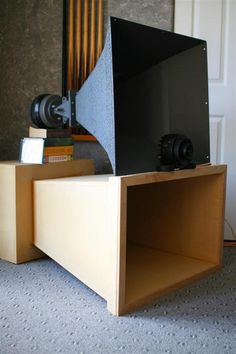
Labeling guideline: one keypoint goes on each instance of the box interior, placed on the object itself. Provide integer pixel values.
(173, 234)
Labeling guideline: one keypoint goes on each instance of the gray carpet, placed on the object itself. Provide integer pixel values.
(45, 310)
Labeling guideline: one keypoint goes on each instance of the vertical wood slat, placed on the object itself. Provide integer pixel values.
(64, 48)
(85, 42)
(70, 46)
(92, 36)
(99, 29)
(78, 45)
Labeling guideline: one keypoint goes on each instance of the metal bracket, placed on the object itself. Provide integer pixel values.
(68, 109)
(71, 98)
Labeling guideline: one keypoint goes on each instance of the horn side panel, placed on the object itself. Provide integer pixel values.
(95, 102)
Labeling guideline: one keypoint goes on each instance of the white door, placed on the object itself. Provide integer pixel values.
(215, 21)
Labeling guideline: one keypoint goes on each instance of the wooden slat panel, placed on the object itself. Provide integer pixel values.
(100, 28)
(77, 45)
(85, 42)
(70, 53)
(92, 37)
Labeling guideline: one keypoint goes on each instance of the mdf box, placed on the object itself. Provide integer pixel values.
(133, 238)
(16, 203)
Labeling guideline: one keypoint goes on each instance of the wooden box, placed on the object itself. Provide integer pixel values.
(133, 238)
(16, 203)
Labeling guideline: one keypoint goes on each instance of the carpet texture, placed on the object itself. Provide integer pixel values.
(45, 310)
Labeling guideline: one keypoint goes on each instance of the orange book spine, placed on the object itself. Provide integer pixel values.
(58, 150)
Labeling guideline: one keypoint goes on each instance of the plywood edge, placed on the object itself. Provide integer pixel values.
(7, 213)
(223, 191)
(154, 177)
(122, 244)
(87, 179)
(117, 230)
(128, 307)
(83, 166)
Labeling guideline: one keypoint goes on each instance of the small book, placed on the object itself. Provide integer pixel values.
(60, 158)
(63, 141)
(49, 133)
(58, 150)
